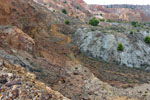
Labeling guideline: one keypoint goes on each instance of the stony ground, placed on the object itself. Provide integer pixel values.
(18, 84)
(119, 76)
(34, 39)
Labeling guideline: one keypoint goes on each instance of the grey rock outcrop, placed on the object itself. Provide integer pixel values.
(103, 46)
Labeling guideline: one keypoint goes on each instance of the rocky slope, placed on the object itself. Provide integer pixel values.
(63, 73)
(120, 13)
(144, 8)
(74, 8)
(16, 83)
(34, 39)
(103, 45)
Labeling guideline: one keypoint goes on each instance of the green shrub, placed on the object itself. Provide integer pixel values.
(78, 7)
(64, 11)
(134, 24)
(67, 22)
(93, 22)
(132, 32)
(147, 31)
(147, 39)
(102, 20)
(109, 20)
(120, 47)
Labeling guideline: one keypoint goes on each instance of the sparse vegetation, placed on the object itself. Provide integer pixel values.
(147, 39)
(67, 22)
(65, 1)
(109, 20)
(138, 30)
(94, 22)
(147, 31)
(134, 24)
(120, 47)
(64, 11)
(102, 20)
(78, 7)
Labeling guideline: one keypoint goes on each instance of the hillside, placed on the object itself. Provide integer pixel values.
(122, 12)
(48, 51)
(144, 8)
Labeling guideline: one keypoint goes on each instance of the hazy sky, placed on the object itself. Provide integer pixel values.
(139, 2)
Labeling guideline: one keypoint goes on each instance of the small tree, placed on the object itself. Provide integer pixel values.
(147, 39)
(93, 22)
(134, 24)
(67, 22)
(120, 47)
(132, 32)
(64, 11)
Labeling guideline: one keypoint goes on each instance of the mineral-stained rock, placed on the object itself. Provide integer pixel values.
(16, 38)
(38, 41)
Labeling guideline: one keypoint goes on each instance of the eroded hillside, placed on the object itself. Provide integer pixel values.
(121, 12)
(40, 61)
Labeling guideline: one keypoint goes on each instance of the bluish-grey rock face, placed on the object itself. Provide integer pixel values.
(103, 46)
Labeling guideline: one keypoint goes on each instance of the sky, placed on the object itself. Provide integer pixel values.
(105, 2)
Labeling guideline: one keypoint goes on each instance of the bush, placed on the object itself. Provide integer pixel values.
(134, 24)
(67, 22)
(93, 22)
(147, 31)
(120, 47)
(147, 39)
(138, 30)
(109, 20)
(77, 7)
(64, 11)
(131, 32)
(102, 20)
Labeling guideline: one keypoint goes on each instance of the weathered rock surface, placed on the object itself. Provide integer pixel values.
(104, 46)
(120, 13)
(15, 38)
(64, 74)
(38, 41)
(21, 84)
